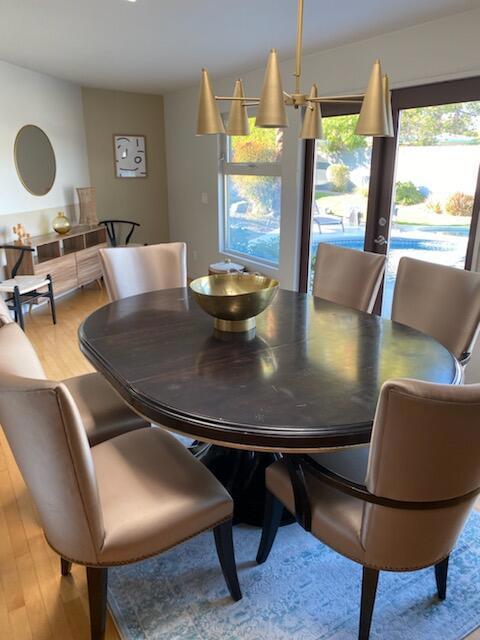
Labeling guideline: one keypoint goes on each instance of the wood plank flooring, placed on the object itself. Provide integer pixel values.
(35, 602)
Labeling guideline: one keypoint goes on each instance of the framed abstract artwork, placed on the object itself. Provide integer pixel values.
(130, 156)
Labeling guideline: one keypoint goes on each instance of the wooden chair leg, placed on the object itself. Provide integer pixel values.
(441, 575)
(97, 598)
(271, 522)
(226, 556)
(65, 566)
(369, 591)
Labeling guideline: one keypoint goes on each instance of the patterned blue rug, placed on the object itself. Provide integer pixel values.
(303, 592)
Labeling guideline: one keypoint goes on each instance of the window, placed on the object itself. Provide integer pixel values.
(251, 194)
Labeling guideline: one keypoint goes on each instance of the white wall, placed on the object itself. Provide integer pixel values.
(439, 50)
(56, 107)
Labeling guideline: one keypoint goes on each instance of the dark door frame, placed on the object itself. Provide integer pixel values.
(383, 166)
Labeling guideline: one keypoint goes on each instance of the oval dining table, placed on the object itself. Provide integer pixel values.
(306, 380)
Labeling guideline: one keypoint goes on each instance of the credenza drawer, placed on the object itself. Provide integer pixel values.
(63, 271)
(89, 267)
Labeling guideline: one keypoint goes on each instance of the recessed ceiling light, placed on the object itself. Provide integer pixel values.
(130, 0)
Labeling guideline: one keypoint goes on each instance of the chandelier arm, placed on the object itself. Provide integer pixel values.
(298, 53)
(354, 96)
(336, 100)
(232, 98)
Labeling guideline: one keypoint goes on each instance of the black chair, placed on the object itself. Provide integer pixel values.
(22, 290)
(114, 230)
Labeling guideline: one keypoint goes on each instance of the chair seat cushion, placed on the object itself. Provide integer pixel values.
(154, 494)
(336, 517)
(25, 284)
(104, 414)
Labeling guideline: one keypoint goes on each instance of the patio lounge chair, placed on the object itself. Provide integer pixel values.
(326, 219)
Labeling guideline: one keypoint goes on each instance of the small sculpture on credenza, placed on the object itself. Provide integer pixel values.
(87, 198)
(23, 236)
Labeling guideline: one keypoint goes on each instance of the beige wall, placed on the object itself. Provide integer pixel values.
(142, 200)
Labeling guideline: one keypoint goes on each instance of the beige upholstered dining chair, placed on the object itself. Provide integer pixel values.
(443, 302)
(399, 507)
(347, 276)
(5, 315)
(120, 501)
(129, 271)
(104, 414)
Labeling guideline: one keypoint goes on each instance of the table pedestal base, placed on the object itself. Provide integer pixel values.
(242, 473)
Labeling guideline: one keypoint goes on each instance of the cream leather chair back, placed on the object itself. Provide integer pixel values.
(47, 437)
(5, 317)
(442, 302)
(129, 271)
(18, 357)
(347, 276)
(425, 449)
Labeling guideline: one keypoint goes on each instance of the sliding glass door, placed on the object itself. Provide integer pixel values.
(437, 163)
(416, 194)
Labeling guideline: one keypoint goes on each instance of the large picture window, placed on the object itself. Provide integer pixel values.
(251, 194)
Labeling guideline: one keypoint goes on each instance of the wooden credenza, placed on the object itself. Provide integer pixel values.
(72, 259)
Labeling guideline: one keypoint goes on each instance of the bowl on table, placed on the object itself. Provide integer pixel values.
(235, 299)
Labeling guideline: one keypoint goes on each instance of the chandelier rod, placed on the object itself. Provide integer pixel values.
(298, 54)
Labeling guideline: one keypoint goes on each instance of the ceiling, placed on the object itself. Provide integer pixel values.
(160, 45)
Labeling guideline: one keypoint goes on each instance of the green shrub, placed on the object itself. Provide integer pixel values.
(459, 204)
(339, 176)
(407, 193)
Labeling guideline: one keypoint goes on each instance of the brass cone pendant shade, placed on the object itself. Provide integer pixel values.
(208, 119)
(388, 106)
(312, 128)
(238, 117)
(373, 115)
(271, 110)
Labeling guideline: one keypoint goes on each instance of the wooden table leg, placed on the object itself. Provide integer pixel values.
(242, 473)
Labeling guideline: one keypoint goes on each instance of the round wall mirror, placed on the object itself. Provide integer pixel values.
(35, 160)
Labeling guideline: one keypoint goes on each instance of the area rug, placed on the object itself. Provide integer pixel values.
(303, 592)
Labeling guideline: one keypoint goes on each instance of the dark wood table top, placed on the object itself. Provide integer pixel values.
(310, 378)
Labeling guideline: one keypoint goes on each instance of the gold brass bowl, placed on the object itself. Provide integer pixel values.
(234, 299)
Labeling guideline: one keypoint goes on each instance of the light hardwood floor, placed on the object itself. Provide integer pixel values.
(35, 602)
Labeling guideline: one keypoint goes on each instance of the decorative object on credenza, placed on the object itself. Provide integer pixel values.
(87, 198)
(35, 160)
(234, 299)
(375, 115)
(130, 156)
(24, 238)
(61, 224)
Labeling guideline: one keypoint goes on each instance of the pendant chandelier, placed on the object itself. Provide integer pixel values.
(375, 117)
